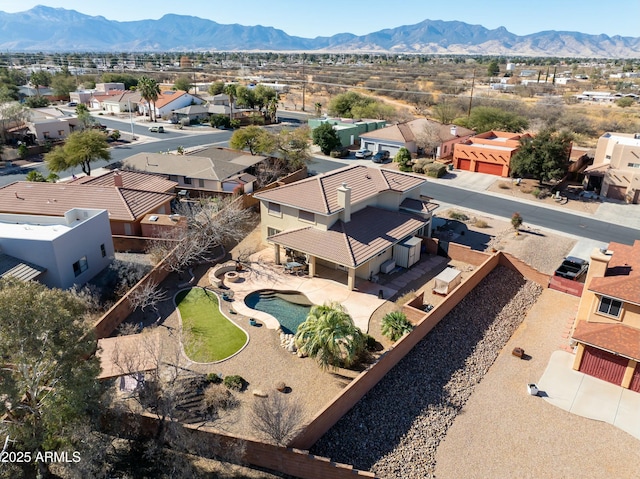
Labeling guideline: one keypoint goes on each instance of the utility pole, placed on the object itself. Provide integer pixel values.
(304, 80)
(473, 82)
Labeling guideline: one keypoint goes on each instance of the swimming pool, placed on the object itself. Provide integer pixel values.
(290, 308)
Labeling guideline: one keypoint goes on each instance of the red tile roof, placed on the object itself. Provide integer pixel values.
(616, 338)
(319, 193)
(166, 97)
(54, 199)
(134, 180)
(370, 232)
(622, 277)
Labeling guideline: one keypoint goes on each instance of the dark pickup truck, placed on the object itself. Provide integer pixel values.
(572, 268)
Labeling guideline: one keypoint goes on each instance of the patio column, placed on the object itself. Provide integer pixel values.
(276, 253)
(312, 266)
(351, 279)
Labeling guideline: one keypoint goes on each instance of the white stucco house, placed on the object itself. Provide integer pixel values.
(57, 251)
(168, 101)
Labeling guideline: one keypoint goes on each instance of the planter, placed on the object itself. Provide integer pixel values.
(252, 322)
(231, 276)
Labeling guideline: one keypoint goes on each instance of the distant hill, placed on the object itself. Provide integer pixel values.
(57, 29)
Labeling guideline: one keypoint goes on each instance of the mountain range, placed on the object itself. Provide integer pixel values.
(57, 29)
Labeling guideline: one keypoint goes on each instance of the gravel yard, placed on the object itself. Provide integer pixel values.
(396, 428)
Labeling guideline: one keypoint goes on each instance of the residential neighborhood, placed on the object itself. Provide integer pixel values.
(316, 264)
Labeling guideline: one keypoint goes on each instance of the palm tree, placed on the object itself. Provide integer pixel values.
(395, 325)
(230, 90)
(149, 91)
(330, 336)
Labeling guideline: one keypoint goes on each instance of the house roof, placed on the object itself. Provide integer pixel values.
(422, 206)
(12, 267)
(209, 164)
(616, 337)
(622, 277)
(132, 96)
(167, 97)
(319, 193)
(370, 232)
(411, 130)
(54, 199)
(134, 180)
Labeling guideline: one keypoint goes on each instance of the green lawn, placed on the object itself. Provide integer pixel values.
(208, 336)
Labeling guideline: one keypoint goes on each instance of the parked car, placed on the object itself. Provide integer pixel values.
(72, 103)
(156, 129)
(364, 153)
(572, 268)
(383, 156)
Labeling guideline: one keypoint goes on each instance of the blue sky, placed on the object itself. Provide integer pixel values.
(309, 19)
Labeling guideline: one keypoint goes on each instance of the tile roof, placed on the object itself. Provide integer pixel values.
(622, 277)
(420, 206)
(370, 232)
(319, 193)
(11, 267)
(54, 199)
(410, 130)
(167, 97)
(617, 338)
(134, 180)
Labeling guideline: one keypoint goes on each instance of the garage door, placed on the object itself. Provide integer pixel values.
(616, 192)
(603, 365)
(393, 150)
(464, 164)
(635, 380)
(489, 168)
(370, 146)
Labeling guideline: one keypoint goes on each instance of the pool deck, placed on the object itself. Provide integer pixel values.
(263, 273)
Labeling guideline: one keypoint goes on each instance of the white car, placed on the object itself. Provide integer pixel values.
(364, 153)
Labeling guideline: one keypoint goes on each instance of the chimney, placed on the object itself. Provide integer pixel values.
(344, 200)
(117, 179)
(454, 130)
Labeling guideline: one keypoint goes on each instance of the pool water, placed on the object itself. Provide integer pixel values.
(289, 308)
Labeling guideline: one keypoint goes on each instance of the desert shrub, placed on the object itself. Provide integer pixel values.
(417, 168)
(436, 170)
(217, 397)
(536, 192)
(372, 343)
(481, 224)
(395, 325)
(213, 378)
(503, 185)
(234, 382)
(339, 153)
(456, 215)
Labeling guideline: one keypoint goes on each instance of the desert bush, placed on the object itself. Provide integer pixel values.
(234, 382)
(481, 224)
(503, 185)
(217, 397)
(213, 378)
(456, 215)
(417, 168)
(436, 170)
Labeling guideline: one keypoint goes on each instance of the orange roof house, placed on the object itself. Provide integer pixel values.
(168, 101)
(488, 152)
(607, 327)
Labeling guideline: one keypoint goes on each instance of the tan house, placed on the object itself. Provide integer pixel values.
(607, 327)
(126, 206)
(355, 219)
(411, 134)
(615, 172)
(488, 152)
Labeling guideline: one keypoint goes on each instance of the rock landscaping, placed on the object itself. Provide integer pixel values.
(395, 429)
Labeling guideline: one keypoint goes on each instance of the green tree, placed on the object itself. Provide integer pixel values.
(516, 222)
(487, 118)
(493, 69)
(182, 83)
(544, 157)
(81, 149)
(49, 388)
(218, 121)
(264, 96)
(129, 81)
(292, 146)
(63, 84)
(326, 138)
(245, 97)
(625, 102)
(36, 102)
(149, 91)
(216, 88)
(403, 158)
(252, 138)
(40, 78)
(330, 336)
(445, 112)
(11, 112)
(395, 325)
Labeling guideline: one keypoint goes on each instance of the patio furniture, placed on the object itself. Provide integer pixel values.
(293, 267)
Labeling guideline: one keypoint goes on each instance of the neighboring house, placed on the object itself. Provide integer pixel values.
(104, 87)
(213, 170)
(121, 102)
(65, 250)
(50, 124)
(353, 219)
(489, 152)
(349, 130)
(168, 101)
(126, 206)
(607, 326)
(81, 96)
(411, 134)
(162, 226)
(132, 180)
(615, 172)
(98, 97)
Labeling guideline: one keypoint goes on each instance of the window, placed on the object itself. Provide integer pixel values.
(272, 231)
(633, 165)
(274, 209)
(103, 250)
(80, 266)
(306, 216)
(60, 132)
(201, 183)
(610, 307)
(187, 181)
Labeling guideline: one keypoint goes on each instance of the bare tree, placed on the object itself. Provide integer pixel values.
(277, 418)
(430, 138)
(147, 295)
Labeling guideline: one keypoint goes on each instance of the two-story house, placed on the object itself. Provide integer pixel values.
(352, 219)
(488, 152)
(615, 172)
(607, 327)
